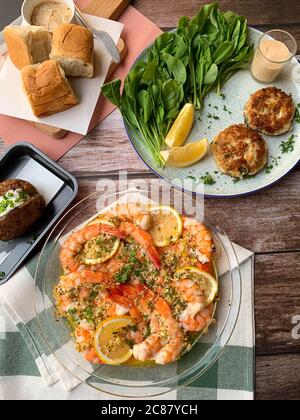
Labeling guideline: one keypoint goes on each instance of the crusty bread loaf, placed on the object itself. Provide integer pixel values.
(47, 88)
(27, 44)
(73, 48)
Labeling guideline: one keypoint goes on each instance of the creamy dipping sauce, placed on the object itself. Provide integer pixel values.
(275, 50)
(269, 60)
(51, 14)
(11, 200)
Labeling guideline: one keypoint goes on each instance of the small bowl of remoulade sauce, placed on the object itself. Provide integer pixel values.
(276, 48)
(48, 13)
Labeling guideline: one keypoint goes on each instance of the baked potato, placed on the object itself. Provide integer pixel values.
(20, 207)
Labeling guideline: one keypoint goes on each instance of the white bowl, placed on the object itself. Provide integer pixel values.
(28, 7)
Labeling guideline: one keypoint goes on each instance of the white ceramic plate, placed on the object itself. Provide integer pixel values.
(237, 91)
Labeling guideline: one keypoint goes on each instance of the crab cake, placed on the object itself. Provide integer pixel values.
(270, 111)
(239, 151)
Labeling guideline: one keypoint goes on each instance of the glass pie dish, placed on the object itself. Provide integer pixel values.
(129, 380)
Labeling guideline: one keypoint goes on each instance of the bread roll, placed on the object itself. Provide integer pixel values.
(47, 88)
(27, 44)
(73, 48)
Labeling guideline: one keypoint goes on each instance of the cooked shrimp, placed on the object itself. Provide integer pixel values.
(147, 349)
(200, 321)
(144, 239)
(199, 239)
(67, 303)
(91, 356)
(195, 316)
(140, 215)
(194, 248)
(166, 341)
(83, 333)
(138, 299)
(84, 338)
(75, 243)
(114, 265)
(140, 280)
(76, 279)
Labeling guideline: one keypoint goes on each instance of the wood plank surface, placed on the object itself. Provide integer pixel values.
(277, 297)
(268, 222)
(277, 377)
(267, 12)
(263, 15)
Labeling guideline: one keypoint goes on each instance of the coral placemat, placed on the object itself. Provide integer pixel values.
(138, 33)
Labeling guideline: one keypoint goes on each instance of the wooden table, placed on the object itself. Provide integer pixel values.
(268, 223)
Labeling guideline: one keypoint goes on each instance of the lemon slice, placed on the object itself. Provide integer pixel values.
(182, 157)
(110, 346)
(208, 283)
(100, 249)
(166, 226)
(182, 127)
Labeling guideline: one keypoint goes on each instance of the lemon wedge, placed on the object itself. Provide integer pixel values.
(166, 226)
(182, 127)
(208, 283)
(100, 249)
(182, 157)
(110, 345)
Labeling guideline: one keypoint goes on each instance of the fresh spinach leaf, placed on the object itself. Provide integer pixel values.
(211, 75)
(176, 68)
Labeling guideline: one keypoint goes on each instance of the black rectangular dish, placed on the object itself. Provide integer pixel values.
(16, 161)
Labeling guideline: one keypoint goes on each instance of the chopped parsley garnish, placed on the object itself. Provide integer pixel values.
(93, 295)
(223, 96)
(274, 162)
(297, 114)
(289, 145)
(207, 179)
(148, 331)
(123, 276)
(247, 176)
(211, 116)
(72, 311)
(89, 314)
(133, 267)
(269, 169)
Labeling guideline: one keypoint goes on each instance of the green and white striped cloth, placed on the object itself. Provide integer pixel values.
(27, 371)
